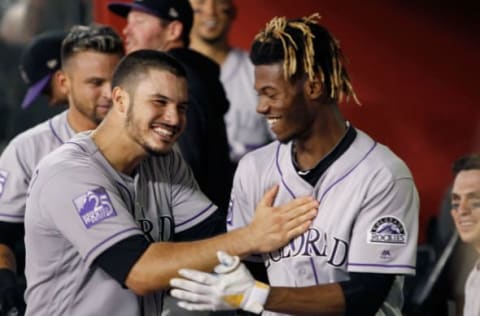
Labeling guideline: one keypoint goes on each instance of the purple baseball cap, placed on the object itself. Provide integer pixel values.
(166, 9)
(38, 62)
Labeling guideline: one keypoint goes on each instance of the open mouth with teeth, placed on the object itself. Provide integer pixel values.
(272, 121)
(164, 132)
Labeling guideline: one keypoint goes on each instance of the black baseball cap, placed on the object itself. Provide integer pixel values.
(166, 9)
(40, 59)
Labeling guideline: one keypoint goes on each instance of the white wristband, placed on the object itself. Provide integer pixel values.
(257, 298)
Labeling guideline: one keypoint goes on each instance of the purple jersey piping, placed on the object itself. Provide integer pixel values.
(110, 238)
(50, 124)
(80, 146)
(382, 265)
(196, 216)
(348, 172)
(280, 171)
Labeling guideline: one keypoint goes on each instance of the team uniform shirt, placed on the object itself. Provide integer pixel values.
(79, 206)
(367, 219)
(472, 288)
(246, 129)
(19, 159)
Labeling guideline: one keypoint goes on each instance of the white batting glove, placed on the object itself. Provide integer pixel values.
(230, 287)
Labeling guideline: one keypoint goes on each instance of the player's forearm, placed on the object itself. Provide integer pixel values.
(162, 260)
(325, 299)
(7, 258)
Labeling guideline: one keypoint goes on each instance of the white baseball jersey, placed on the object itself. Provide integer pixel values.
(472, 288)
(79, 206)
(367, 219)
(20, 158)
(246, 129)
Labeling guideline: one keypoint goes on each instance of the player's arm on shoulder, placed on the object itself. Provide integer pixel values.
(271, 228)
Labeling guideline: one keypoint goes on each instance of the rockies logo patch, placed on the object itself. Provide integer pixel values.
(387, 230)
(3, 180)
(94, 206)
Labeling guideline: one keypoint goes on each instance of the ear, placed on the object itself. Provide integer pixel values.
(174, 31)
(62, 80)
(120, 99)
(59, 79)
(313, 88)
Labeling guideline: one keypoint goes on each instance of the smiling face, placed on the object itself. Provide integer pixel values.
(156, 116)
(87, 81)
(144, 31)
(466, 206)
(283, 104)
(212, 19)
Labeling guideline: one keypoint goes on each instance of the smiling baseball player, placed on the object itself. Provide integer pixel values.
(89, 56)
(353, 258)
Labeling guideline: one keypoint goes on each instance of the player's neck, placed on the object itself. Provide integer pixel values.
(321, 140)
(78, 122)
(217, 51)
(117, 147)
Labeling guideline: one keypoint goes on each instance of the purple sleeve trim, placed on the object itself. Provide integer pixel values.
(12, 216)
(382, 265)
(110, 238)
(196, 216)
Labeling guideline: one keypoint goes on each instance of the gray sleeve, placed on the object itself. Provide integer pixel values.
(242, 200)
(14, 179)
(384, 236)
(189, 205)
(85, 207)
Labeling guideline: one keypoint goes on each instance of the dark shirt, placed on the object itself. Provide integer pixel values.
(204, 143)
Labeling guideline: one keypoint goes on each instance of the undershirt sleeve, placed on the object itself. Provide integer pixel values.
(365, 292)
(10, 233)
(119, 259)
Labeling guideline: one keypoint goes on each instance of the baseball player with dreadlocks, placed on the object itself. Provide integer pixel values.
(353, 258)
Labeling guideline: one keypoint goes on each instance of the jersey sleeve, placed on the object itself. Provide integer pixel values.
(241, 207)
(190, 206)
(14, 179)
(84, 206)
(384, 236)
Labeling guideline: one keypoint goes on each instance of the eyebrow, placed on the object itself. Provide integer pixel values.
(469, 195)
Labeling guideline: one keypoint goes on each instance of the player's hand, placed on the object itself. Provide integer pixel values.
(273, 227)
(11, 300)
(230, 287)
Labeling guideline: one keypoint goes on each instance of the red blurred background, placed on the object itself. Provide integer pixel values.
(415, 68)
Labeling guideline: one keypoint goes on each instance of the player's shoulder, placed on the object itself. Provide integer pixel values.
(38, 134)
(380, 158)
(73, 155)
(261, 157)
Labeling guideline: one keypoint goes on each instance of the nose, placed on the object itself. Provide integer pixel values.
(262, 106)
(106, 91)
(171, 115)
(126, 29)
(464, 207)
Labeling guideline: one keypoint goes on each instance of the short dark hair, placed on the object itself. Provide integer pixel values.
(304, 47)
(140, 62)
(467, 162)
(98, 38)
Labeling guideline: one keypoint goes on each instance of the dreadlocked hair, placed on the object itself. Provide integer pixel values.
(304, 47)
